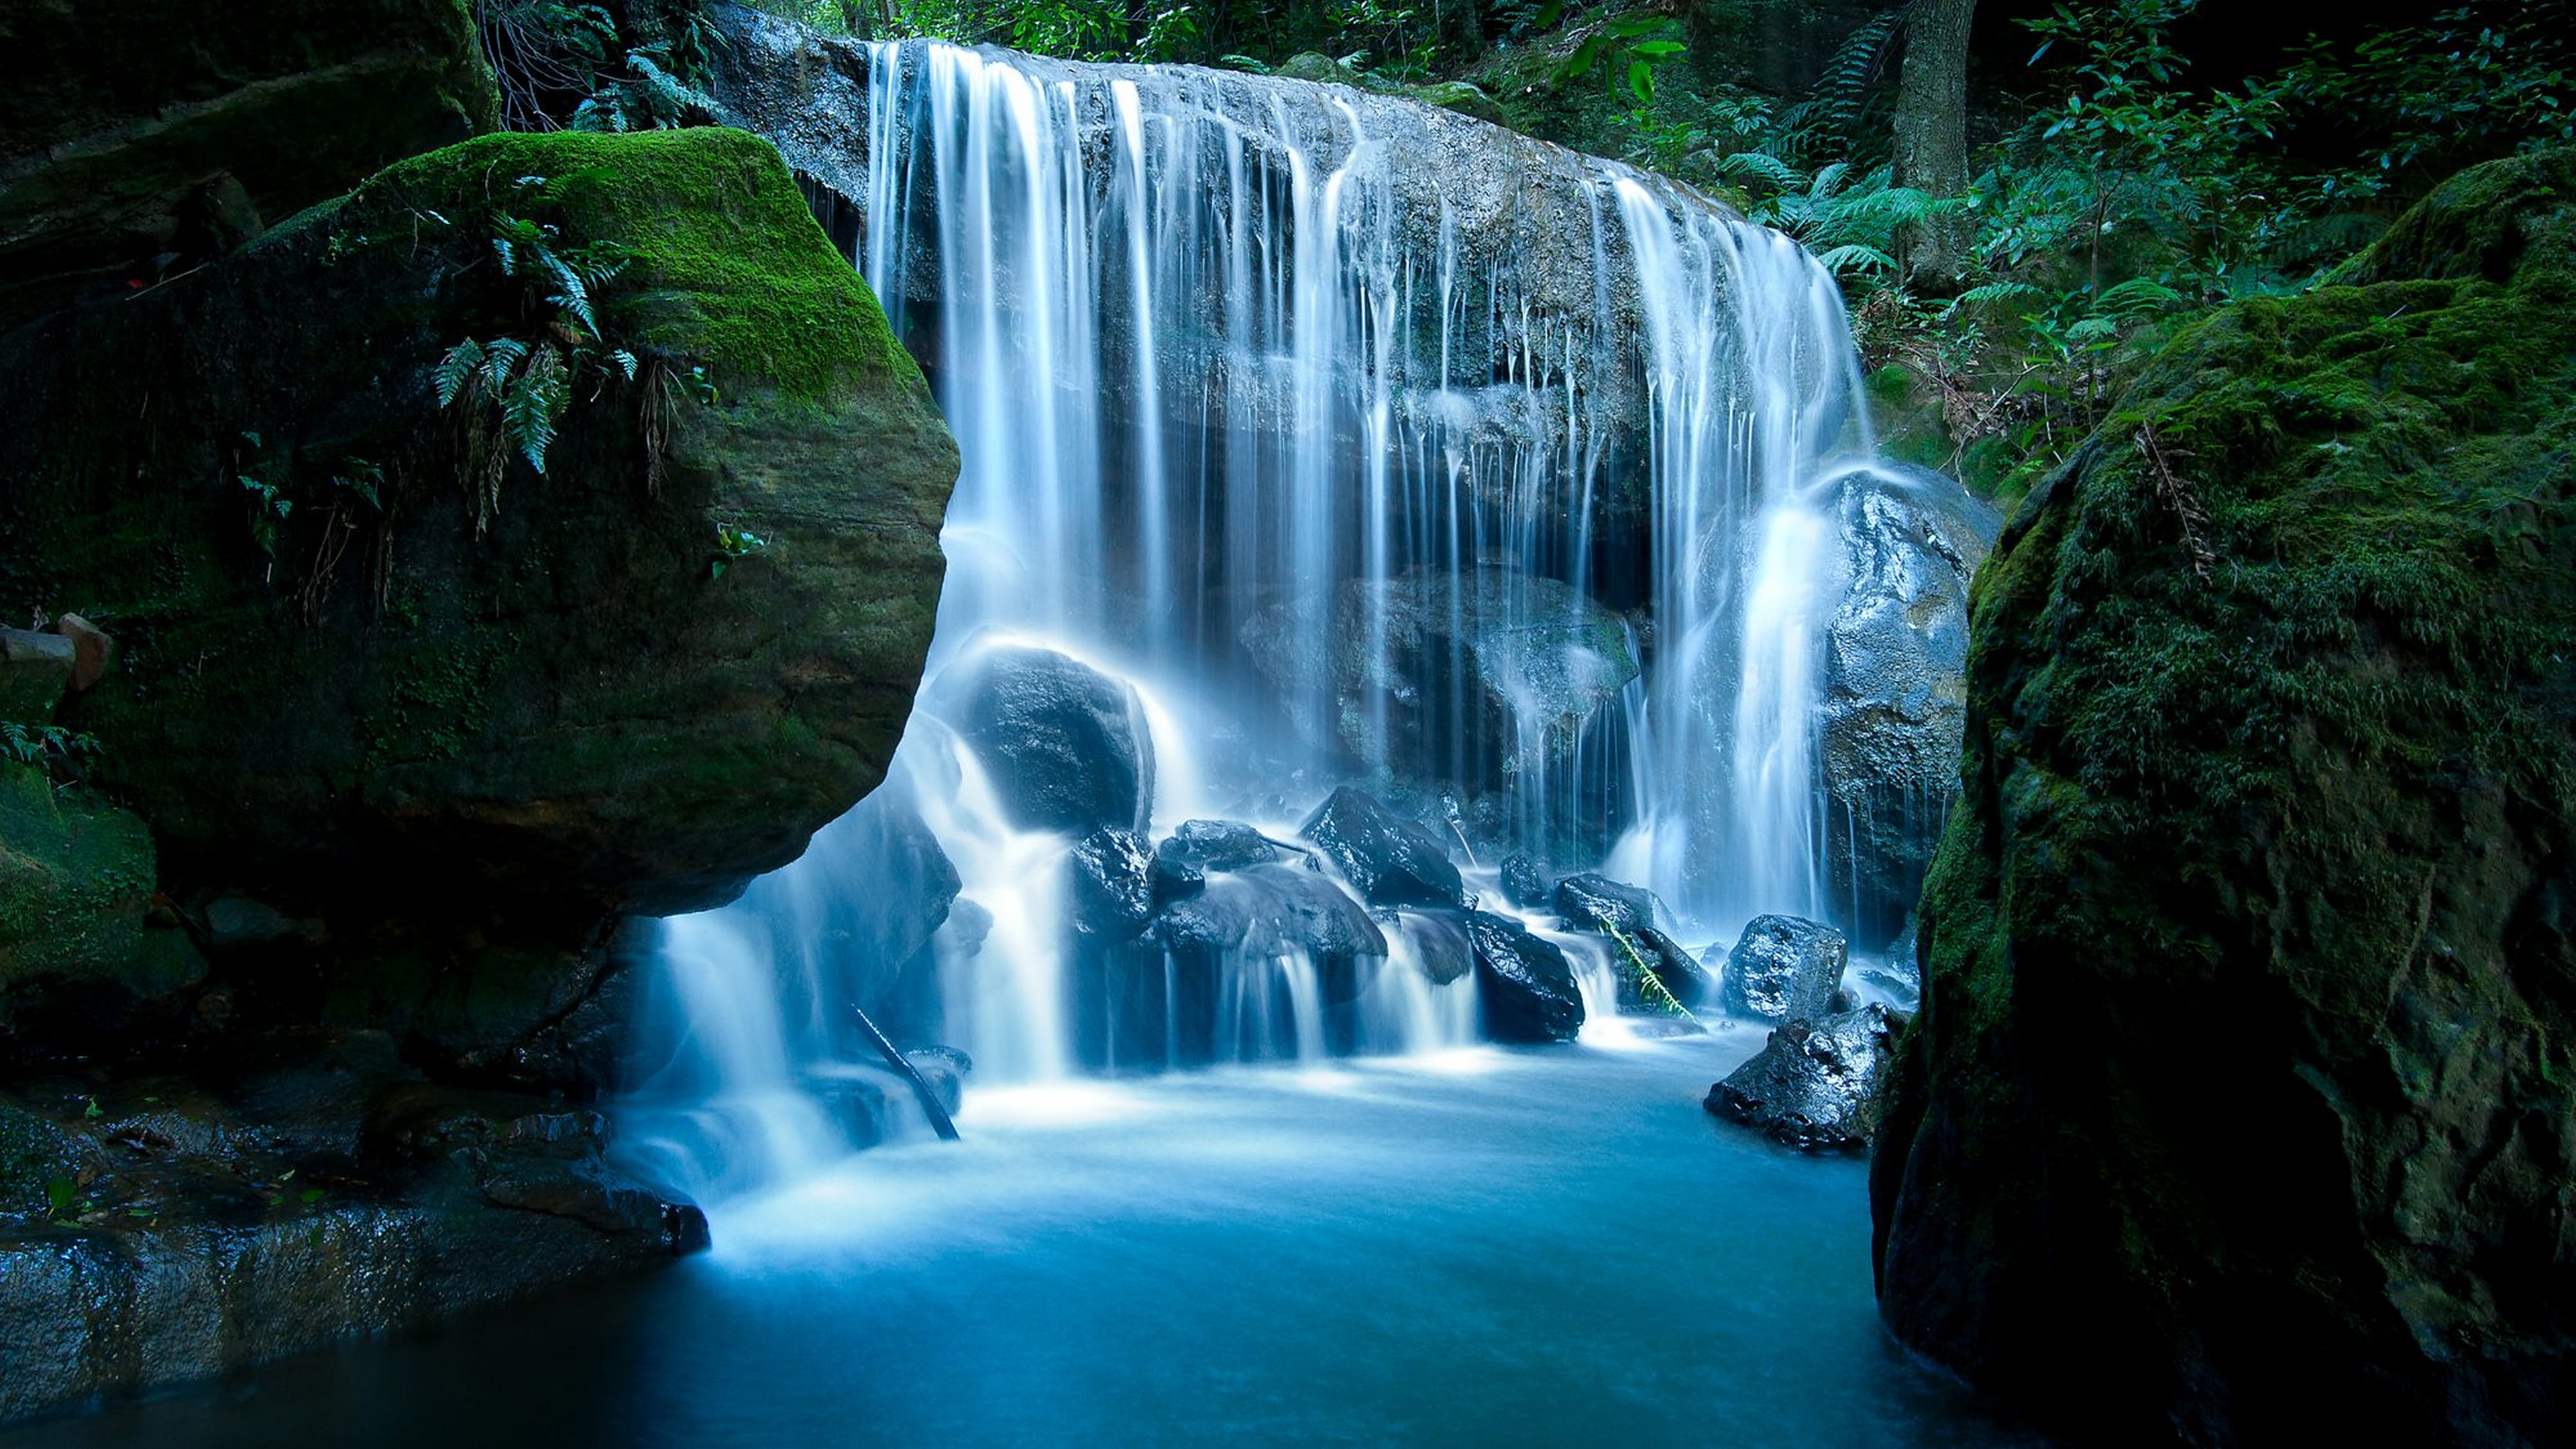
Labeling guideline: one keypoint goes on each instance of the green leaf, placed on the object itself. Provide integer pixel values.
(1659, 48)
(1641, 79)
(59, 1193)
(457, 368)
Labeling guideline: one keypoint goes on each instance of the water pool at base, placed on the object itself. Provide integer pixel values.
(1484, 1248)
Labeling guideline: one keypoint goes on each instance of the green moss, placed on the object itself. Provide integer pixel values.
(729, 264)
(74, 877)
(2248, 949)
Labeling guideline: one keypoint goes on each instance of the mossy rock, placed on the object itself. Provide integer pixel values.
(138, 138)
(76, 929)
(469, 705)
(2242, 1103)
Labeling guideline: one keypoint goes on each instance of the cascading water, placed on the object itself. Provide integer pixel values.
(1355, 442)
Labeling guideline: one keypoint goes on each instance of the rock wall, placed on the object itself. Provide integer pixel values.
(2241, 1106)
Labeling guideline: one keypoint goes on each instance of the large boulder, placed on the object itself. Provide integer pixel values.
(1111, 875)
(556, 695)
(138, 140)
(1783, 968)
(1388, 859)
(1525, 990)
(1895, 701)
(1812, 1083)
(1065, 746)
(2240, 1105)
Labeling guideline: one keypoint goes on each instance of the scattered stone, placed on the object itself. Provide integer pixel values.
(1439, 943)
(93, 652)
(1810, 1085)
(1783, 968)
(1524, 988)
(1389, 860)
(35, 671)
(1592, 902)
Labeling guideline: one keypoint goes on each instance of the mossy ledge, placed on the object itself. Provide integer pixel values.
(2250, 954)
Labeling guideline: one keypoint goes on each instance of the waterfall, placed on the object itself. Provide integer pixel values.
(1359, 442)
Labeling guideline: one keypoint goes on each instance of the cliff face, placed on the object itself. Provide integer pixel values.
(2242, 1103)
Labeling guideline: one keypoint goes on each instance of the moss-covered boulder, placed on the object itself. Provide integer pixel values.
(377, 667)
(80, 938)
(137, 138)
(2242, 1104)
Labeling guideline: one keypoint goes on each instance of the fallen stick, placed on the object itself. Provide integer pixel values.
(931, 1106)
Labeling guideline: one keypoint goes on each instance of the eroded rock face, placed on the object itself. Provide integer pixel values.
(544, 701)
(1112, 875)
(1812, 1083)
(1065, 745)
(1895, 698)
(2214, 864)
(1783, 968)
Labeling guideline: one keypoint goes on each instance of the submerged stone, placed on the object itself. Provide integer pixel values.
(1065, 745)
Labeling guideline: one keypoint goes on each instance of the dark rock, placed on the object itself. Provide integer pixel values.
(946, 1069)
(1811, 1084)
(1597, 903)
(235, 923)
(1113, 884)
(1219, 845)
(1889, 722)
(135, 127)
(2240, 1107)
(1524, 988)
(1528, 884)
(1674, 968)
(1439, 942)
(1389, 860)
(1268, 910)
(1783, 968)
(1065, 746)
(561, 716)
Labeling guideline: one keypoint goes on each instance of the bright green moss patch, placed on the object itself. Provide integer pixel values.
(729, 265)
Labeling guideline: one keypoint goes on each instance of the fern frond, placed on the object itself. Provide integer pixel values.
(1856, 259)
(1764, 167)
(530, 407)
(501, 359)
(456, 370)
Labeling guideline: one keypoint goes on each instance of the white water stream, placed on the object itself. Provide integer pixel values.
(1259, 386)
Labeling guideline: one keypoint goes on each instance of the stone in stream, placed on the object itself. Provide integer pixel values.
(1439, 942)
(1783, 968)
(1269, 910)
(1065, 746)
(1525, 991)
(1626, 914)
(1388, 859)
(1112, 874)
(1218, 845)
(1527, 883)
(1810, 1085)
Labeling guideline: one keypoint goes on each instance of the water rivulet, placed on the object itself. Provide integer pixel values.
(1311, 438)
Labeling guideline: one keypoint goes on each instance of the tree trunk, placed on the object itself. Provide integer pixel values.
(1932, 135)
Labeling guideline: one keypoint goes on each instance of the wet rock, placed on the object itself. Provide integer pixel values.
(1486, 678)
(1439, 942)
(1526, 883)
(1065, 745)
(1112, 874)
(945, 1068)
(1219, 845)
(1898, 974)
(1525, 990)
(1895, 695)
(1783, 968)
(1675, 970)
(1810, 1086)
(1268, 910)
(1597, 903)
(1389, 860)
